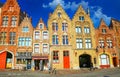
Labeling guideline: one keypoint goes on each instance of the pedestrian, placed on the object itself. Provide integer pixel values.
(91, 66)
(49, 68)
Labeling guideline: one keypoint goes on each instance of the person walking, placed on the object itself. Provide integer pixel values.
(91, 66)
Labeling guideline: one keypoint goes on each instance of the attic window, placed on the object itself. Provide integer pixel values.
(59, 14)
(81, 18)
(11, 8)
(25, 29)
(41, 26)
(103, 30)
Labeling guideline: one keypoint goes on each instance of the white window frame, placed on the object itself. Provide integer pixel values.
(47, 48)
(78, 30)
(88, 43)
(38, 48)
(79, 43)
(87, 30)
(38, 35)
(104, 58)
(45, 36)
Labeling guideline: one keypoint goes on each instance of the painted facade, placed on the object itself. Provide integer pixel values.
(10, 19)
(24, 44)
(59, 26)
(40, 54)
(63, 44)
(83, 39)
(107, 54)
(115, 25)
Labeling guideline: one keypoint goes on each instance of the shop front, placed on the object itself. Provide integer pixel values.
(40, 62)
(23, 60)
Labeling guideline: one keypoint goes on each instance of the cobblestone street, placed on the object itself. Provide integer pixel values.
(113, 72)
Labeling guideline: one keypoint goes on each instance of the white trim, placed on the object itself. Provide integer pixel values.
(12, 56)
(48, 47)
(47, 36)
(34, 34)
(34, 48)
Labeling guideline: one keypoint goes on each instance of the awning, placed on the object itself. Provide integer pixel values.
(39, 57)
(23, 57)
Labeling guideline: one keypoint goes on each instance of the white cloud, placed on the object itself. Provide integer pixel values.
(96, 11)
(98, 14)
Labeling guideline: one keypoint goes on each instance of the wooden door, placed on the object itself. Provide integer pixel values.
(66, 59)
(3, 60)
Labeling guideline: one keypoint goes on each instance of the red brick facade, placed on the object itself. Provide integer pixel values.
(106, 44)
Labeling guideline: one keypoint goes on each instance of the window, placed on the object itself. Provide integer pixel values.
(87, 30)
(55, 39)
(45, 48)
(64, 27)
(12, 38)
(81, 18)
(55, 26)
(25, 29)
(109, 42)
(65, 40)
(20, 41)
(45, 35)
(101, 43)
(14, 21)
(41, 26)
(27, 41)
(79, 43)
(103, 30)
(36, 48)
(66, 53)
(37, 35)
(88, 43)
(5, 21)
(78, 30)
(104, 59)
(3, 37)
(24, 41)
(59, 14)
(11, 8)
(55, 57)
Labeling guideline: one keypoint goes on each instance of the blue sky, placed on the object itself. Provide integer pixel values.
(98, 9)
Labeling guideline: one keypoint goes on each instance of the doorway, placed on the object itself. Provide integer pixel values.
(66, 59)
(9, 60)
(6, 60)
(115, 62)
(41, 64)
(84, 61)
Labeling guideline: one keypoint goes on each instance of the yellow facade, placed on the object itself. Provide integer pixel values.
(59, 16)
(86, 22)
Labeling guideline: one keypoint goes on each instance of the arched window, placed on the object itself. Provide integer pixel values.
(104, 59)
(37, 35)
(45, 35)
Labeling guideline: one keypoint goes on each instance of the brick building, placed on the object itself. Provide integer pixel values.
(10, 19)
(107, 55)
(83, 40)
(115, 25)
(65, 44)
(40, 54)
(24, 44)
(59, 26)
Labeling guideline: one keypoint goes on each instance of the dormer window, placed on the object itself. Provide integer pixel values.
(104, 31)
(81, 18)
(11, 8)
(25, 29)
(59, 14)
(41, 26)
